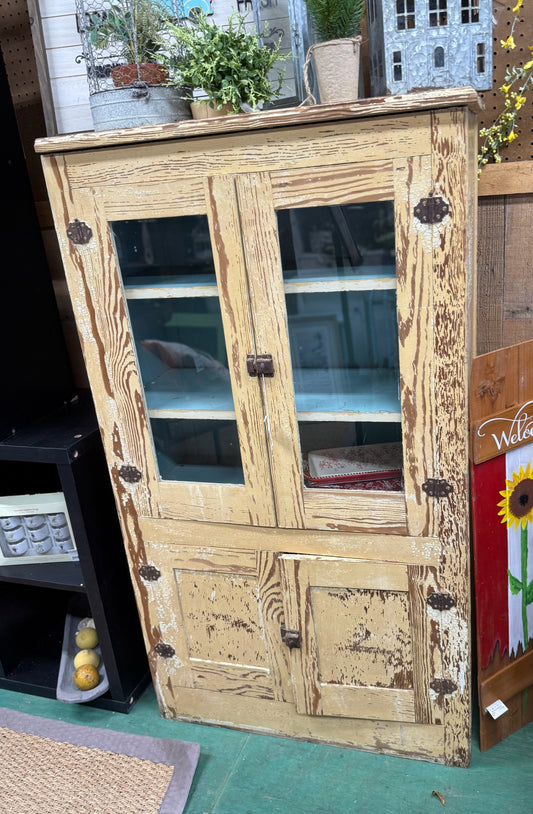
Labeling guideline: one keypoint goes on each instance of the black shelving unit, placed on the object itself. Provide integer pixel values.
(63, 453)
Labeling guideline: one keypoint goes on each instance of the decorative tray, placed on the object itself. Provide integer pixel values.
(66, 689)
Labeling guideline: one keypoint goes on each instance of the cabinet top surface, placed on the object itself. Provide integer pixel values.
(284, 117)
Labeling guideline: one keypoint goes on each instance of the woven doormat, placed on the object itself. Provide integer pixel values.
(51, 767)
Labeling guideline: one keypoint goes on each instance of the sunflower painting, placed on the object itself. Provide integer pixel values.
(516, 510)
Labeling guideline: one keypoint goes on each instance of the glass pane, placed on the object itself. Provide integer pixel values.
(353, 241)
(164, 250)
(168, 273)
(340, 291)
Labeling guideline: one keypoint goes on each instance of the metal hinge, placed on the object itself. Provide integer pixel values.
(78, 232)
(441, 601)
(443, 686)
(437, 487)
(292, 638)
(149, 572)
(130, 474)
(166, 651)
(431, 210)
(260, 365)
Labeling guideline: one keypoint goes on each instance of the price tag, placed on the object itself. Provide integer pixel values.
(496, 709)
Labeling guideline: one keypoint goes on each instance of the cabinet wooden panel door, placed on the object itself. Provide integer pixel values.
(362, 646)
(221, 632)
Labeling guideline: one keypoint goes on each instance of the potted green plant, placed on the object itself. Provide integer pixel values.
(131, 29)
(336, 54)
(229, 65)
(129, 32)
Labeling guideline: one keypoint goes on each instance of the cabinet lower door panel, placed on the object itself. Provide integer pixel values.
(225, 609)
(356, 635)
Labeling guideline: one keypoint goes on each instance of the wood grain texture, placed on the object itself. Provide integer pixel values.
(414, 250)
(364, 108)
(417, 741)
(267, 150)
(454, 175)
(369, 181)
(267, 304)
(357, 567)
(508, 178)
(518, 324)
(490, 274)
(355, 657)
(369, 546)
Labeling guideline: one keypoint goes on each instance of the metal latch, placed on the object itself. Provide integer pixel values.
(260, 365)
(292, 638)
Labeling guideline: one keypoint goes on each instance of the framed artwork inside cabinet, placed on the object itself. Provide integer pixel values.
(35, 529)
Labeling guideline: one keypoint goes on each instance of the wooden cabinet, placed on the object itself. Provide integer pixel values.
(262, 301)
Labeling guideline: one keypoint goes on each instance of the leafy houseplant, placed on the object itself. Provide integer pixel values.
(337, 52)
(336, 19)
(230, 65)
(133, 28)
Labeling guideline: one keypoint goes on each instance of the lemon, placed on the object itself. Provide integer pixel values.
(87, 638)
(86, 677)
(86, 657)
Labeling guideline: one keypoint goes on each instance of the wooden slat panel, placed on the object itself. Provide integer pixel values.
(273, 615)
(168, 199)
(414, 246)
(507, 178)
(381, 512)
(369, 546)
(454, 172)
(518, 324)
(512, 679)
(371, 181)
(382, 107)
(267, 304)
(424, 742)
(317, 145)
(329, 572)
(366, 702)
(422, 582)
(298, 616)
(239, 331)
(103, 328)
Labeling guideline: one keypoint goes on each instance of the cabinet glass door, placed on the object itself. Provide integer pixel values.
(339, 278)
(168, 274)
(196, 433)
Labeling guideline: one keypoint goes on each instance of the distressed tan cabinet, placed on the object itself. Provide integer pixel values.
(269, 306)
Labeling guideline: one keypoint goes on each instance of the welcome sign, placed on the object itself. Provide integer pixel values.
(501, 445)
(502, 433)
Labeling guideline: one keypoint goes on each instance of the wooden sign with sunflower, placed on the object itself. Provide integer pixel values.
(501, 434)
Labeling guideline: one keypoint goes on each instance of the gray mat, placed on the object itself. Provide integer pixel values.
(180, 754)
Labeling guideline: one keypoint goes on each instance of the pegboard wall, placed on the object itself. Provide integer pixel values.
(522, 148)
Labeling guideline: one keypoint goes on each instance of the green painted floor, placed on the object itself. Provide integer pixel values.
(241, 773)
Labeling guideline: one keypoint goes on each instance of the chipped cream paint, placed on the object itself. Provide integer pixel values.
(234, 182)
(454, 629)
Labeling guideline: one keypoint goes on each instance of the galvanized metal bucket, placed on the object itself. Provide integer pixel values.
(138, 105)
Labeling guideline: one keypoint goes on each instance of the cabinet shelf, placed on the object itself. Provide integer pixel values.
(61, 575)
(332, 395)
(365, 278)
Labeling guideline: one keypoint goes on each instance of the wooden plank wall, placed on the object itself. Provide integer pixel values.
(504, 259)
